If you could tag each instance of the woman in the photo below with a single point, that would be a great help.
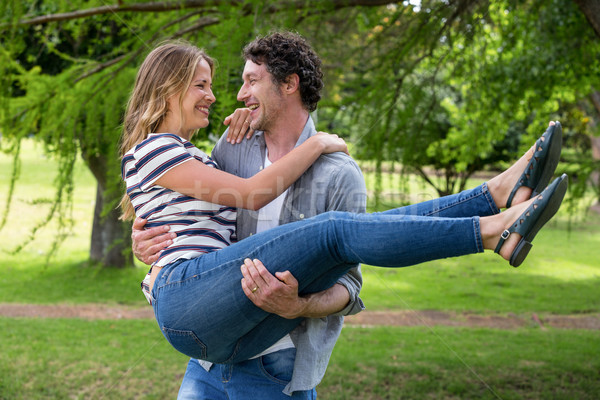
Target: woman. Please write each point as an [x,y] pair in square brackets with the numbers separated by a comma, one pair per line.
[195,290]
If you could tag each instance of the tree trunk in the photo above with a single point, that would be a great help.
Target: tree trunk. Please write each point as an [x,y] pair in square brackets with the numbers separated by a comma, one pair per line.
[595,143]
[591,10]
[111,238]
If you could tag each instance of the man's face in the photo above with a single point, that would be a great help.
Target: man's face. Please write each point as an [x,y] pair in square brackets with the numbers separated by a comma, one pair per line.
[261,95]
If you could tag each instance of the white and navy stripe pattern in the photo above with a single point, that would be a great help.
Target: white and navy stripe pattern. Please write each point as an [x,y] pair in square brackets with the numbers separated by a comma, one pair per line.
[201,226]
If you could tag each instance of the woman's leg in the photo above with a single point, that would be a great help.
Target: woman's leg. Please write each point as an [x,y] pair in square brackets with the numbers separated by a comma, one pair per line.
[203,311]
[406,239]
[468,203]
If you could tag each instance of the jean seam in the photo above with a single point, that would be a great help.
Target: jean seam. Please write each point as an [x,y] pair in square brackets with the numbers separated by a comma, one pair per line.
[477,234]
[488,196]
[233,353]
[269,376]
[484,192]
[437,210]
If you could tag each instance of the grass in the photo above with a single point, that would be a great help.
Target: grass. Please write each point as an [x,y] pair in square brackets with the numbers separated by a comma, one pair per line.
[129,359]
[560,276]
[79,359]
[461,363]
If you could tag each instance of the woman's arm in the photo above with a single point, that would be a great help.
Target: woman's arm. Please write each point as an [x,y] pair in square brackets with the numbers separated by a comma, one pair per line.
[195,179]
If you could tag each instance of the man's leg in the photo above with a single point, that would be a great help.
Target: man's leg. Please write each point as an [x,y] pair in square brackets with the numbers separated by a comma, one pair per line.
[264,378]
[199,384]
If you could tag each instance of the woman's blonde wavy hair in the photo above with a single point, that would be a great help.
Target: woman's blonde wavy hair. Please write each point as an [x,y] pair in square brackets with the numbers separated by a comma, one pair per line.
[167,71]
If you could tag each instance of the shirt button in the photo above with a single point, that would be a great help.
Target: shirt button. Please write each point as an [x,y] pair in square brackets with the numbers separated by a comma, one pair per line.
[261,167]
[301,216]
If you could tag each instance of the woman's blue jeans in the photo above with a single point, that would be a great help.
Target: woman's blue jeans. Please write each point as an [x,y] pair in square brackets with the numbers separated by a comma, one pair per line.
[203,312]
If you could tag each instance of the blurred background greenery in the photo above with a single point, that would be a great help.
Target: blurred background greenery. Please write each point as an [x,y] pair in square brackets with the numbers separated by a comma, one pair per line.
[437,89]
[433,96]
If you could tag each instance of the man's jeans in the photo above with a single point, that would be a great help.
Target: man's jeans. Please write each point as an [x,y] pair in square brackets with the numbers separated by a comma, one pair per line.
[260,378]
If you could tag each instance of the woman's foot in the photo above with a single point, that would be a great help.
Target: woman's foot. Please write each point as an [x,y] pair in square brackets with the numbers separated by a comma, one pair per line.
[501,185]
[528,177]
[492,228]
[510,233]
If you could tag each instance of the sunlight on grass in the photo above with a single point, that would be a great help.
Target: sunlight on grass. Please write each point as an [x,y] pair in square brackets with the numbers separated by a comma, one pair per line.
[34,192]
[561,275]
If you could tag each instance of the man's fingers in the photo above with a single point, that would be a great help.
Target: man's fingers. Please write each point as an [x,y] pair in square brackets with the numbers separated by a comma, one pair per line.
[251,274]
[139,223]
[264,272]
[287,278]
[152,259]
[159,246]
[165,239]
[245,287]
[259,272]
[156,235]
[247,280]
[257,276]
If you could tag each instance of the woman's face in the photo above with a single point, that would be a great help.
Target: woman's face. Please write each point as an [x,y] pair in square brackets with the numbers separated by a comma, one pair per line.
[194,110]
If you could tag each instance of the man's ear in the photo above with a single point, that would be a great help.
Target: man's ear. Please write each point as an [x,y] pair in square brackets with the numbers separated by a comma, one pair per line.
[291,84]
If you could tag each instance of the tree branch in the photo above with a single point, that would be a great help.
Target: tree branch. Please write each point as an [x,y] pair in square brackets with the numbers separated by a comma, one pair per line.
[118,8]
[201,23]
[186,4]
[591,10]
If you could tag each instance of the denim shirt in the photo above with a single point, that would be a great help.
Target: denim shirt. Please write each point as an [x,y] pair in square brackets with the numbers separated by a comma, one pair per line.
[333,183]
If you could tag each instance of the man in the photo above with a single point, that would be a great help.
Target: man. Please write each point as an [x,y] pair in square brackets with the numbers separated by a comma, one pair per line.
[282,83]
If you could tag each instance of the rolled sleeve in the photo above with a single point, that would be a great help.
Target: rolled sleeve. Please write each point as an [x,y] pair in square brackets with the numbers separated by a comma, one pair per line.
[348,193]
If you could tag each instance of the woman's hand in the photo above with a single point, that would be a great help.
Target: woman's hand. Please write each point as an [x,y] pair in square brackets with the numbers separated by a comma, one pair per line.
[239,124]
[330,143]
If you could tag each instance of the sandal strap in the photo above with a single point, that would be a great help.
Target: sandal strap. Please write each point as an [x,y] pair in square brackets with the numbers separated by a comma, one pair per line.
[503,237]
[517,226]
[532,173]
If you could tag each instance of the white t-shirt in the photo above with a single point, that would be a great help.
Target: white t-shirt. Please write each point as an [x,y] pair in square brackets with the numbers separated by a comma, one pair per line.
[268,217]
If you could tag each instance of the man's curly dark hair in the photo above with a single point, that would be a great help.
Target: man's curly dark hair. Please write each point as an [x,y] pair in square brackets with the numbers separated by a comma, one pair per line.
[287,53]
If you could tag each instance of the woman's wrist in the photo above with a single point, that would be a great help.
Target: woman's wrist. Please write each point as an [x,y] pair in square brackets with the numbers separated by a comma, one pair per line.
[317,143]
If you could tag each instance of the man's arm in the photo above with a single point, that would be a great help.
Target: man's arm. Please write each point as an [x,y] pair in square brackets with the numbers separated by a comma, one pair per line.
[280,292]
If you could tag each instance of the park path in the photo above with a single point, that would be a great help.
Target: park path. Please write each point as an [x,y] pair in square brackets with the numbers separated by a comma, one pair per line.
[365,318]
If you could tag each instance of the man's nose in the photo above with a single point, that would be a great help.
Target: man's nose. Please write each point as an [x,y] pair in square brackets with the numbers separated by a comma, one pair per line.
[243,93]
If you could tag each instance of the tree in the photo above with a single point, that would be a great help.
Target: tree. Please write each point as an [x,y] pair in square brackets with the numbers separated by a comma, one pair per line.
[459,84]
[452,85]
[66,70]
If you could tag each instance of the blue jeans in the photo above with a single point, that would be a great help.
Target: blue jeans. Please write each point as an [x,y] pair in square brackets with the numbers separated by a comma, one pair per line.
[203,312]
[260,378]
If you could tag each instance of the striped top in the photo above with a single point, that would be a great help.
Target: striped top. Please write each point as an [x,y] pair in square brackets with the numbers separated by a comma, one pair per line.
[201,226]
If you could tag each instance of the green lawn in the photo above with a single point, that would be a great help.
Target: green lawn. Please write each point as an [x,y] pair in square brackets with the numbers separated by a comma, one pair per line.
[561,276]
[77,359]
[129,359]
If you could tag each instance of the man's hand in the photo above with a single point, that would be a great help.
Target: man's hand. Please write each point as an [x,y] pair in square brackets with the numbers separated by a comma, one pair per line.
[148,243]
[275,294]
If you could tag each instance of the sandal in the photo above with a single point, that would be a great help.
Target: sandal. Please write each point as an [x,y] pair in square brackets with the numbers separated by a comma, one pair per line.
[541,167]
[532,220]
